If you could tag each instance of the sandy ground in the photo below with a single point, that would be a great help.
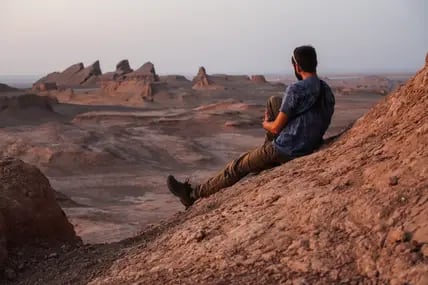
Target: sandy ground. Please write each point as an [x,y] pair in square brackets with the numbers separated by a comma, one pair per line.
[112,160]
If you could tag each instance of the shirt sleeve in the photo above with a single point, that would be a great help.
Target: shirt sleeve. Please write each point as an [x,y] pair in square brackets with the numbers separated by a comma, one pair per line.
[290,102]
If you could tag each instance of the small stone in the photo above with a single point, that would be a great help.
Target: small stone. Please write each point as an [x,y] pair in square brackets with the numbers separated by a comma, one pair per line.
[393,180]
[304,243]
[200,236]
[395,235]
[10,274]
[53,255]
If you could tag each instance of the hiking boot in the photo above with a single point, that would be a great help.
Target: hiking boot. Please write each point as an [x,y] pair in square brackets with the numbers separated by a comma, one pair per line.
[181,190]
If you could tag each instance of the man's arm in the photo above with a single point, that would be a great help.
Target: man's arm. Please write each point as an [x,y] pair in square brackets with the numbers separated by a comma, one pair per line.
[276,126]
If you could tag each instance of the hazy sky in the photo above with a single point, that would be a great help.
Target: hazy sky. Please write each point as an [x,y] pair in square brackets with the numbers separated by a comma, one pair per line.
[235,36]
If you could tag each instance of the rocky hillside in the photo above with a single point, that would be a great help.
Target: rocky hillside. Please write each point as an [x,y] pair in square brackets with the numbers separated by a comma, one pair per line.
[355,212]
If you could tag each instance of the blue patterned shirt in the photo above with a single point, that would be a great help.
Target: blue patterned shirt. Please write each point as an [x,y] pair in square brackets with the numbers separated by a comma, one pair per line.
[309,114]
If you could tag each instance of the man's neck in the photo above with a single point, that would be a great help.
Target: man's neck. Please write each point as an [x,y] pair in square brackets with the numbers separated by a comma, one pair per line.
[306,75]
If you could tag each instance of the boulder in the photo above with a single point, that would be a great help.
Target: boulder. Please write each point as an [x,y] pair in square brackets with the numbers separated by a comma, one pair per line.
[29,211]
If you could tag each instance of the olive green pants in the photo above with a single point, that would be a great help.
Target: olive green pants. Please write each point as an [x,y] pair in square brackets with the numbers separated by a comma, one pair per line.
[256,160]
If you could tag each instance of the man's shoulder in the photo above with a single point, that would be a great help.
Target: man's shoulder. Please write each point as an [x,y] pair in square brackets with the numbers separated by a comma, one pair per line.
[301,88]
[296,88]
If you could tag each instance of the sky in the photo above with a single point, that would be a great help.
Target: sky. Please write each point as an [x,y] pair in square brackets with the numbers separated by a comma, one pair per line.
[228,36]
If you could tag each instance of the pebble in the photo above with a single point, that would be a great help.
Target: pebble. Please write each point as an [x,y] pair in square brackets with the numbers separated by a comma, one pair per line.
[396,235]
[393,180]
[200,236]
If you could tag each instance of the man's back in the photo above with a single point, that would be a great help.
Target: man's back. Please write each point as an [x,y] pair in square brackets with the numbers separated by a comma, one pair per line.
[309,114]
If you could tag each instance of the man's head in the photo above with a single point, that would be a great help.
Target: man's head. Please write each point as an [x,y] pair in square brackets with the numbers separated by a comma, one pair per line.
[304,61]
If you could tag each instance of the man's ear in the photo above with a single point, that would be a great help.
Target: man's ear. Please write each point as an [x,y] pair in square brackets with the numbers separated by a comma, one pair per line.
[298,69]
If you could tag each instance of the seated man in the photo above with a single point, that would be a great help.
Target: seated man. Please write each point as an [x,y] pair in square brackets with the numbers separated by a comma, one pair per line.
[295,127]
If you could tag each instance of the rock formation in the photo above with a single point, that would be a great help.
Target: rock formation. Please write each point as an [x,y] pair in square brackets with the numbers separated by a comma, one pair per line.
[6,88]
[146,72]
[28,208]
[201,79]
[258,79]
[123,67]
[74,76]
[143,82]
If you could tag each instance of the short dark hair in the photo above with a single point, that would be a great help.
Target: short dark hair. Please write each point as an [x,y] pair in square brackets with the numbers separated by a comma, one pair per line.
[306,58]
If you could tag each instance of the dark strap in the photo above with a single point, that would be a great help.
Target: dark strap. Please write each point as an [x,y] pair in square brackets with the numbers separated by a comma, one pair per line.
[321,96]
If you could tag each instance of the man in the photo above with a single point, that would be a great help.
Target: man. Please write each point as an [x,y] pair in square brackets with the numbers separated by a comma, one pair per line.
[295,127]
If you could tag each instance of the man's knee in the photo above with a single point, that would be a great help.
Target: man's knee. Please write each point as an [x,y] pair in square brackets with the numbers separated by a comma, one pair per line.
[275,100]
[272,106]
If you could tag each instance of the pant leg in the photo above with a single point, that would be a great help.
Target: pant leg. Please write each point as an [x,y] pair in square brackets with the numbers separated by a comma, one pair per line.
[261,158]
[273,105]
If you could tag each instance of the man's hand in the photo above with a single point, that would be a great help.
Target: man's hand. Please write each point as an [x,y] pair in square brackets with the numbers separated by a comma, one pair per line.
[266,117]
[276,126]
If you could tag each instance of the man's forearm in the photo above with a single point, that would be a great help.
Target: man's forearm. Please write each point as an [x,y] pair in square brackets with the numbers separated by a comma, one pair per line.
[269,126]
[275,127]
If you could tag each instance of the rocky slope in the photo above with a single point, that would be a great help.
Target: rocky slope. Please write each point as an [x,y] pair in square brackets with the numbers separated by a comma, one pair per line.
[352,213]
